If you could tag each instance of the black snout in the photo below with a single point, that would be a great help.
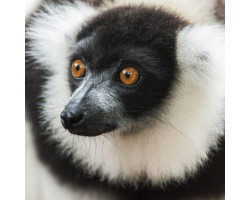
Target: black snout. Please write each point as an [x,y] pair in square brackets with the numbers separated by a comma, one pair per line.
[85,121]
[72,116]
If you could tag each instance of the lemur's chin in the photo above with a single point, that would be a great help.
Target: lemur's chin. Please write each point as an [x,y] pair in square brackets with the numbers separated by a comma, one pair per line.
[82,133]
[93,133]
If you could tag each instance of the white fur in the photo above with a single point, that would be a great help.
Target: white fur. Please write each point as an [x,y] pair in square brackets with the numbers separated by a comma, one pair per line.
[58,27]
[195,11]
[40,184]
[162,152]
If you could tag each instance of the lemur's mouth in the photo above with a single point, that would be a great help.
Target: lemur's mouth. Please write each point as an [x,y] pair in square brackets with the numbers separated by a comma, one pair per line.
[82,133]
[94,131]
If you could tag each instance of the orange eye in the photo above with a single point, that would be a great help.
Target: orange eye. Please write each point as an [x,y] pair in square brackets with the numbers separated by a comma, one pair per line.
[129,76]
[78,68]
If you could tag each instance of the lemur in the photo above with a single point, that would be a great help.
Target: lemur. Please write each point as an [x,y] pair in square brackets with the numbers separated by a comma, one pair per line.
[125,100]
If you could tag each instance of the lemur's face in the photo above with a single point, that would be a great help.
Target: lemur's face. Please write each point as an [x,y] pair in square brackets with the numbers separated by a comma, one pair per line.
[130,70]
[121,72]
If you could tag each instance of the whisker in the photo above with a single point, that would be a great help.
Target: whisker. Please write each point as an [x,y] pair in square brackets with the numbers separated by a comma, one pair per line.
[106,147]
[69,39]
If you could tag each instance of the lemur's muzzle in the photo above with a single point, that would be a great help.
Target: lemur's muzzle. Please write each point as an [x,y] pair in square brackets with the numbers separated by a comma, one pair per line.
[84,121]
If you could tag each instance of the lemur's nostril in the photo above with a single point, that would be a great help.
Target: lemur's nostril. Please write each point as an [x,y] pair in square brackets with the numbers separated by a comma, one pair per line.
[76,118]
[72,116]
[69,120]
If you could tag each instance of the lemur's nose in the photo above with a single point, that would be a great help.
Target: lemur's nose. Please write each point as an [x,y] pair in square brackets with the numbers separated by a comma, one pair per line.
[72,116]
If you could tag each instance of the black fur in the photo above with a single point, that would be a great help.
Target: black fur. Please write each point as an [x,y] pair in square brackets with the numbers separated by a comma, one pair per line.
[122,37]
[154,41]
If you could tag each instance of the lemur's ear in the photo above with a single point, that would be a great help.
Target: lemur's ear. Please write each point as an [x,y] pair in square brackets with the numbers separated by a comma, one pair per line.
[53,30]
[200,53]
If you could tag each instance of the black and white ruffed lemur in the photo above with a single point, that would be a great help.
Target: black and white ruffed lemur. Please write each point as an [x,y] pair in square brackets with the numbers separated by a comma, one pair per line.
[125,100]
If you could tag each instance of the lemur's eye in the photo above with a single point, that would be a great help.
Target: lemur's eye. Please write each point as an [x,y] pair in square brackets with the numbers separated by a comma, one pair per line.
[129,76]
[78,68]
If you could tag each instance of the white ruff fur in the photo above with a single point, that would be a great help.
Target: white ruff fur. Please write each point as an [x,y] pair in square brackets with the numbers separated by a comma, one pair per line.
[195,11]
[40,184]
[163,153]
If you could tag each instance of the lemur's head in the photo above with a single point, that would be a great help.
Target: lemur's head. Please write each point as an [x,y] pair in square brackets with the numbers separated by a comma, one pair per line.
[122,70]
[143,83]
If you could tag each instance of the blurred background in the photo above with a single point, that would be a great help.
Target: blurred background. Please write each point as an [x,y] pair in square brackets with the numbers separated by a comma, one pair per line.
[31,5]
